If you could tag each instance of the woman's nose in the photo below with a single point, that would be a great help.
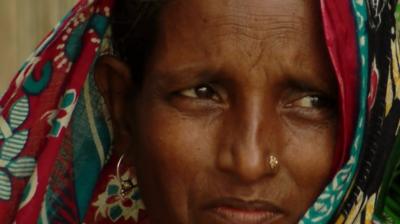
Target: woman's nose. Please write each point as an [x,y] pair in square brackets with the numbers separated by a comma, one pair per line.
[246,150]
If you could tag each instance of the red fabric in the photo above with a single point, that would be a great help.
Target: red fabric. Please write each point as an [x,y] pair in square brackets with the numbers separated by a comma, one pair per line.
[338,19]
[67,74]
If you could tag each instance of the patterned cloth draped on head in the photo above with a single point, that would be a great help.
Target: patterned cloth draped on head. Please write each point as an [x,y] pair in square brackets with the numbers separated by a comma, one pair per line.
[55,157]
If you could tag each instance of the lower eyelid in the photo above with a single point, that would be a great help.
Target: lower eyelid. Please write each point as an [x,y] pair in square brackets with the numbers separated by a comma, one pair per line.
[309,116]
[194,106]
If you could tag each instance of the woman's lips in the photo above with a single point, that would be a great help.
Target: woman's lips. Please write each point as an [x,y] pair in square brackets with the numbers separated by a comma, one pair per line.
[238,211]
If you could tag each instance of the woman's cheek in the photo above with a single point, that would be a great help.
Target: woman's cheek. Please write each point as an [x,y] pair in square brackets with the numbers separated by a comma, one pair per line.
[173,152]
[309,154]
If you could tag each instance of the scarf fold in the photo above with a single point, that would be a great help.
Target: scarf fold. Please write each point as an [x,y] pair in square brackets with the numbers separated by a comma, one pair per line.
[56,161]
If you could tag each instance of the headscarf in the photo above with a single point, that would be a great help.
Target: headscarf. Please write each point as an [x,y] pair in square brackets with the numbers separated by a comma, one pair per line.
[56,159]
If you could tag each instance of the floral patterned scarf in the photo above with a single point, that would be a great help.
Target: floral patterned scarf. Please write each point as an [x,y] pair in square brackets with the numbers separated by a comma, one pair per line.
[56,161]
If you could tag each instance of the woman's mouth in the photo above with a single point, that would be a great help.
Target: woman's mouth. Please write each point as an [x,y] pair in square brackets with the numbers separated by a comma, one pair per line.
[238,211]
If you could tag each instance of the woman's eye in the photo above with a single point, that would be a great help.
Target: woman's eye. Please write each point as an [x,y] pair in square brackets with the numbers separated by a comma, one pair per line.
[312,102]
[313,107]
[201,92]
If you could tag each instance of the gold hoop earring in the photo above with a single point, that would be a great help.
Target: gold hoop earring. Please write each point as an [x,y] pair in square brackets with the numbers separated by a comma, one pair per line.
[127,185]
[121,194]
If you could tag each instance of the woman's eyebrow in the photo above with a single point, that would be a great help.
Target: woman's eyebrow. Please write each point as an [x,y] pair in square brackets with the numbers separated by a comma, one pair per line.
[185,74]
[307,86]
[316,76]
[312,81]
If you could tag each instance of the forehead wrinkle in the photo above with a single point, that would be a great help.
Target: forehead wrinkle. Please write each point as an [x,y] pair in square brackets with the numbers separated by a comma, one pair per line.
[276,28]
[241,19]
[268,29]
[267,32]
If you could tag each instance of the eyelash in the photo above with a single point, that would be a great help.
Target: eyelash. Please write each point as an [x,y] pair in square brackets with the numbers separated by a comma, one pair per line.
[314,101]
[208,92]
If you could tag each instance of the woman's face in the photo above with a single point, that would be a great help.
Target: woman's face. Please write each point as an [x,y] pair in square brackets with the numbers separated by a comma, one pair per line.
[230,83]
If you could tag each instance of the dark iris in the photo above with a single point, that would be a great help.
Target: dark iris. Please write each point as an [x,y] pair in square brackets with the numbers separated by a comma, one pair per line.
[321,102]
[204,92]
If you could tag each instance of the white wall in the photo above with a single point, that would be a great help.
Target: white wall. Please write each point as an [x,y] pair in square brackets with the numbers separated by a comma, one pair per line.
[23,23]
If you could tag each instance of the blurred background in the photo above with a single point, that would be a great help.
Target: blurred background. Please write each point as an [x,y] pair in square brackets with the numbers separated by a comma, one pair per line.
[23,24]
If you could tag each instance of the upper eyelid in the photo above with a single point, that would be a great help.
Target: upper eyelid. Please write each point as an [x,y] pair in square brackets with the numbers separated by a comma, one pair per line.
[183,77]
[298,91]
[309,87]
[288,103]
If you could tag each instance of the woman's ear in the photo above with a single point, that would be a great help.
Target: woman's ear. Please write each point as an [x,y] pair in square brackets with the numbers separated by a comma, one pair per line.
[115,84]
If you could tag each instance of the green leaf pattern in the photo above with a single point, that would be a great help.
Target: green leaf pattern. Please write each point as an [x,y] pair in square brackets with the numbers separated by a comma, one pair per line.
[5,186]
[22,167]
[19,112]
[11,165]
[12,146]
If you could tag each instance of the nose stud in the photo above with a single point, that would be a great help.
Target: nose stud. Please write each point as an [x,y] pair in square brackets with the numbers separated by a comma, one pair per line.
[273,163]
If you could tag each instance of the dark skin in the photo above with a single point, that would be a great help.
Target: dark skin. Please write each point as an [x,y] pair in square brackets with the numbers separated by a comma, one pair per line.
[229,83]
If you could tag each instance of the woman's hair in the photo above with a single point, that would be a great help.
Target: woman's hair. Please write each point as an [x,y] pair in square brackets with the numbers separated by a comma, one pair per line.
[134,25]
